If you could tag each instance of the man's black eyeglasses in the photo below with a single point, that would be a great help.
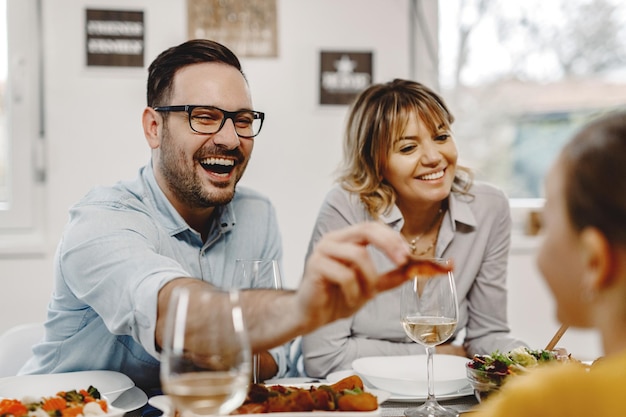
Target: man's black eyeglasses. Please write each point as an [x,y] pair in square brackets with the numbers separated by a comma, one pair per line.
[210,119]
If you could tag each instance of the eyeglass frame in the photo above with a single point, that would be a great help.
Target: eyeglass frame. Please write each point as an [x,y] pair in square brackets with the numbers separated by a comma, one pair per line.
[188,108]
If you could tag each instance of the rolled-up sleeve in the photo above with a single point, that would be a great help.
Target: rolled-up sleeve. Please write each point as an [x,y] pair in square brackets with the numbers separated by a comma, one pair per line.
[118,258]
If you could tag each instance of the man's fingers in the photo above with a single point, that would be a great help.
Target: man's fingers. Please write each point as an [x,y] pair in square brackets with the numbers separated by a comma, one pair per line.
[383,237]
[336,273]
[355,257]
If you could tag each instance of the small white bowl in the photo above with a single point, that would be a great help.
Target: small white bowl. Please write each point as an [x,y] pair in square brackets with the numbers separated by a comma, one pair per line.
[406,375]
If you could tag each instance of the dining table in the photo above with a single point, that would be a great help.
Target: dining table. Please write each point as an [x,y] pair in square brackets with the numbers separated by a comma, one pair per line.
[388,409]
[463,405]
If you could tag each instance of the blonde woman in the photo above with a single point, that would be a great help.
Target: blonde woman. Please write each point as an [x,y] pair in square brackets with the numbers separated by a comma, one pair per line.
[401,169]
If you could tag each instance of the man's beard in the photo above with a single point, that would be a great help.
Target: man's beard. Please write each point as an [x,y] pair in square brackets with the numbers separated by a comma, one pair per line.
[183,179]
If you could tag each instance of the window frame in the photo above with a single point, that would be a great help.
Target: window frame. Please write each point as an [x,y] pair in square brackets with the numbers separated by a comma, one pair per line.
[21,218]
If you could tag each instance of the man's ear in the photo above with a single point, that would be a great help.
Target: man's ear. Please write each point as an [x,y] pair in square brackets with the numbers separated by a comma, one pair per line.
[151,121]
[597,259]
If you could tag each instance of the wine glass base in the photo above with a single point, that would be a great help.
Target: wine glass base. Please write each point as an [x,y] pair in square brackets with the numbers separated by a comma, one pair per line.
[430,409]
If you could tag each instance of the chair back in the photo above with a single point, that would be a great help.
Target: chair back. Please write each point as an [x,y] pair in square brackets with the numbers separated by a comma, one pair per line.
[16,346]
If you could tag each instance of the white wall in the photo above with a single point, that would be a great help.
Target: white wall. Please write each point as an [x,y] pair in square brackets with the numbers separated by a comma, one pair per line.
[532,309]
[94,135]
[300,145]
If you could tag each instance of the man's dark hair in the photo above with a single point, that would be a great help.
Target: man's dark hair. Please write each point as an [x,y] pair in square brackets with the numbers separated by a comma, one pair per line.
[162,70]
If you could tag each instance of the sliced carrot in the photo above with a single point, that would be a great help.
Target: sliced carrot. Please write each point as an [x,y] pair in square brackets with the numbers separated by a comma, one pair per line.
[13,407]
[54,403]
[103,404]
[72,411]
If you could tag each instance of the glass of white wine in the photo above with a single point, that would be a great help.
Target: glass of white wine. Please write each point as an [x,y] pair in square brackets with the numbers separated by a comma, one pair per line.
[429,314]
[257,273]
[205,359]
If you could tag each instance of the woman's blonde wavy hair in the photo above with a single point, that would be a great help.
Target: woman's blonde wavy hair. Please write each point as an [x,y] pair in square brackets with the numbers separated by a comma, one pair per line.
[377,118]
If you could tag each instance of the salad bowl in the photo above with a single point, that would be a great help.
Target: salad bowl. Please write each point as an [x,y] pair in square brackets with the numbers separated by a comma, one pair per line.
[487,373]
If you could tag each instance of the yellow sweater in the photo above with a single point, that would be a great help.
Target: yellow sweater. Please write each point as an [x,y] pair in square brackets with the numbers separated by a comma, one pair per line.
[563,390]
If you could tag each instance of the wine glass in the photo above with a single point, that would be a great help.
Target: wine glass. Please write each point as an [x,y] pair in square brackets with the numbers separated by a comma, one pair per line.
[429,311]
[205,359]
[257,273]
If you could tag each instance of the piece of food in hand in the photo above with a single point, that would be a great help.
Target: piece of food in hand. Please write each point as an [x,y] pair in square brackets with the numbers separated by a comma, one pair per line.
[425,267]
[344,395]
[64,404]
[414,267]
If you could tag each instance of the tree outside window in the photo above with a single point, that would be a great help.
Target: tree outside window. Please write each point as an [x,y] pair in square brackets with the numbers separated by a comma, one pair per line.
[521,77]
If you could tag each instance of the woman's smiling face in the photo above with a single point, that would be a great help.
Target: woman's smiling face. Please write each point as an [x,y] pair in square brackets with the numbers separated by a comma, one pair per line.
[421,164]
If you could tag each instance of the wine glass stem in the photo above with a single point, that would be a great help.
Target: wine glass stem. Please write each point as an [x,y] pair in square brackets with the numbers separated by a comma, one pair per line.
[256,365]
[430,351]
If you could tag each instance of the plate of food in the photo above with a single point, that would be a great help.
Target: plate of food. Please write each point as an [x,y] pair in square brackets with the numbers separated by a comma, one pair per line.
[110,384]
[87,402]
[346,398]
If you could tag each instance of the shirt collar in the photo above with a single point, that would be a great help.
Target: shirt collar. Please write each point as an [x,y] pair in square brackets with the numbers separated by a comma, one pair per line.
[458,207]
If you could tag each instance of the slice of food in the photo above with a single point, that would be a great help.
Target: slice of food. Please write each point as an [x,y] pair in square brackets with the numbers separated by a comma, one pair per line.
[424,267]
[344,395]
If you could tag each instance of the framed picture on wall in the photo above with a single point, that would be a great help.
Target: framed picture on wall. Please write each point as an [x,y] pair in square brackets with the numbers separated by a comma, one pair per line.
[114,38]
[248,27]
[343,75]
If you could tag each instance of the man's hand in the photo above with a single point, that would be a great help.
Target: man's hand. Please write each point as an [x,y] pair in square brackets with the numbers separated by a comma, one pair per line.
[340,276]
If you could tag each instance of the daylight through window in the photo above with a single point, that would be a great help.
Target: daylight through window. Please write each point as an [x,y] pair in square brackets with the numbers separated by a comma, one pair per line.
[521,77]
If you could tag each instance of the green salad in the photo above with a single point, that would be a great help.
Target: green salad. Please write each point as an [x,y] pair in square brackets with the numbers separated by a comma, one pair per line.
[497,366]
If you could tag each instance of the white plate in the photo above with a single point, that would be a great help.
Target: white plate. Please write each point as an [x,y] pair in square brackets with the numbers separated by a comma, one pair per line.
[463,392]
[162,402]
[114,412]
[131,400]
[109,383]
[406,375]
[292,381]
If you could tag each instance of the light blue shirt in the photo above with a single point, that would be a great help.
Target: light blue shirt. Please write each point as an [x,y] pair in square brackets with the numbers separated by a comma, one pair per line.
[121,245]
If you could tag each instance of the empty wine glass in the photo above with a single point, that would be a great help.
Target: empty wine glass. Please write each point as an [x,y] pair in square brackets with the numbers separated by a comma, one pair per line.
[429,311]
[257,273]
[205,361]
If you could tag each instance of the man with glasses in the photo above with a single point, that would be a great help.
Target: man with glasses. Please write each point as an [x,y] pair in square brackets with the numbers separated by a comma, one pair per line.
[181,223]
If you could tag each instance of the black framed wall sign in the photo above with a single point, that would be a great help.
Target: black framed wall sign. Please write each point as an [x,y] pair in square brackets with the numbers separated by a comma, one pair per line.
[114,38]
[343,75]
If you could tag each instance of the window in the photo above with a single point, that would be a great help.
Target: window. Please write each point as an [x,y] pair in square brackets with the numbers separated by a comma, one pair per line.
[21,125]
[521,77]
